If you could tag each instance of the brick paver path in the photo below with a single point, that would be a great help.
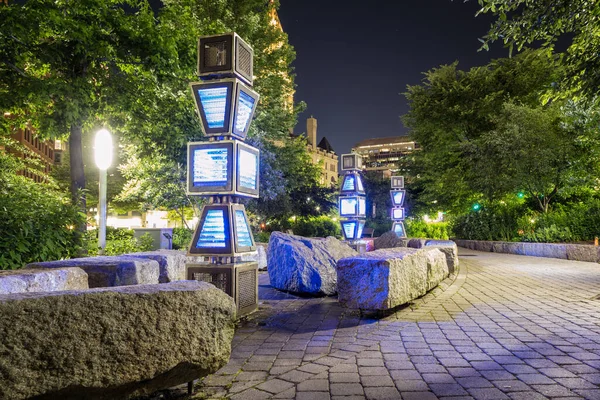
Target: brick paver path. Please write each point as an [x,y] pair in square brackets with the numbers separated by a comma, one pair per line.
[505,327]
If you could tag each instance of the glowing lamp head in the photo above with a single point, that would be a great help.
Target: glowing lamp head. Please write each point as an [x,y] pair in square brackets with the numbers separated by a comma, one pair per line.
[103,149]
[476,207]
[520,195]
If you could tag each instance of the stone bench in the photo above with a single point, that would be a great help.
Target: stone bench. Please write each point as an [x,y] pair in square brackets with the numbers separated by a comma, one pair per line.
[109,271]
[387,278]
[112,343]
[42,280]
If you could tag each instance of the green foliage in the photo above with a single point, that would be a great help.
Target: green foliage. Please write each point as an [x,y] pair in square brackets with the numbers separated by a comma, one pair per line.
[322,226]
[262,237]
[549,234]
[182,237]
[522,22]
[417,228]
[118,241]
[36,220]
[496,221]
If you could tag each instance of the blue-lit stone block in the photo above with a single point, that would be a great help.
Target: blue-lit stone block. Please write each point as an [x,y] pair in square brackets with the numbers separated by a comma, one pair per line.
[352,229]
[223,230]
[225,107]
[398,197]
[227,167]
[352,206]
[352,184]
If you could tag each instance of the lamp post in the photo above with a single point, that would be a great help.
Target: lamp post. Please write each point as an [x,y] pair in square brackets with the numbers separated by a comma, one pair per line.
[103,154]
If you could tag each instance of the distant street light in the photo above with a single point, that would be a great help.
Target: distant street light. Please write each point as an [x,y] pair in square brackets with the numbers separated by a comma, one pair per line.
[103,154]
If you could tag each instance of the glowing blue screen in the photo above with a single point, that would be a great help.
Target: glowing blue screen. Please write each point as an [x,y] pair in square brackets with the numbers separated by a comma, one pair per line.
[399,229]
[242,229]
[398,213]
[362,206]
[210,166]
[360,185]
[348,183]
[247,169]
[361,225]
[349,229]
[398,197]
[348,206]
[214,103]
[243,111]
[213,231]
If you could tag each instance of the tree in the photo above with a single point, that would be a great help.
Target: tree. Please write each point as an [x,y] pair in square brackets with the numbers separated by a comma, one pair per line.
[523,22]
[449,114]
[71,66]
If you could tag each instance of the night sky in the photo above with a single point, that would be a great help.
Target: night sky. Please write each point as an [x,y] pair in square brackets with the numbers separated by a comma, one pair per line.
[355,58]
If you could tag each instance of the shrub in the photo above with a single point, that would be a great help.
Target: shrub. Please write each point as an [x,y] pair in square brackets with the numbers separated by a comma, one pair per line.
[551,234]
[316,227]
[118,241]
[36,221]
[432,230]
[182,237]
[495,222]
[262,237]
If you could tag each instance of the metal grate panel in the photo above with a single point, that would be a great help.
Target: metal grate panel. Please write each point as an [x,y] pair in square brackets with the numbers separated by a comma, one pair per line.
[219,279]
[247,288]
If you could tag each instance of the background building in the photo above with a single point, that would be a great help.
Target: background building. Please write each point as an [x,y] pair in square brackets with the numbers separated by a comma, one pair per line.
[49,152]
[322,153]
[383,154]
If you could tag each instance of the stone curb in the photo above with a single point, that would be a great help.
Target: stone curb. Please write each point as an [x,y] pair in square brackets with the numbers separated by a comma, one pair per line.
[574,252]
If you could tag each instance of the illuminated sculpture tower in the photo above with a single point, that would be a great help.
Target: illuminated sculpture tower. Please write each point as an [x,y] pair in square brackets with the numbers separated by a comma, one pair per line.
[352,201]
[224,168]
[398,194]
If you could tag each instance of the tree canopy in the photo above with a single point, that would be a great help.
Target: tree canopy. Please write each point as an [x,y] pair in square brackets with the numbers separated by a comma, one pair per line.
[522,22]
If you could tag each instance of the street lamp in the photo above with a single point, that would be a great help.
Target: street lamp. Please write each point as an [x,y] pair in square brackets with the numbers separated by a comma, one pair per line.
[103,154]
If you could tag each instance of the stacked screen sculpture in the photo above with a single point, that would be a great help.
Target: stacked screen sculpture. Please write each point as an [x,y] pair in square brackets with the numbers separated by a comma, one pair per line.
[352,200]
[224,168]
[397,213]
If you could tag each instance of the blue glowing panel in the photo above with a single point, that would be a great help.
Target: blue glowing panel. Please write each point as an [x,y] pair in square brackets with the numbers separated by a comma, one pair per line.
[399,229]
[210,167]
[242,229]
[248,169]
[349,228]
[360,185]
[362,206]
[214,104]
[213,231]
[361,226]
[397,213]
[397,197]
[348,185]
[243,111]
[348,206]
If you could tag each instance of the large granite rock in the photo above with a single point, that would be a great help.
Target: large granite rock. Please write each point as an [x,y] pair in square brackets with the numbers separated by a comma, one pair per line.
[42,280]
[388,240]
[450,250]
[112,343]
[305,265]
[170,262]
[109,271]
[416,243]
[384,279]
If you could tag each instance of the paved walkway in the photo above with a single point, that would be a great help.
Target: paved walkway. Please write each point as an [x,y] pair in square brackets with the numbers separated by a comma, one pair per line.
[506,327]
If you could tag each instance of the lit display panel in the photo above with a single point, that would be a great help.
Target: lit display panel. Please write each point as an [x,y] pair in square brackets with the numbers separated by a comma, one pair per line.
[248,168]
[213,233]
[214,105]
[361,226]
[397,197]
[242,229]
[244,111]
[349,229]
[397,213]
[210,166]
[399,229]
[362,206]
[348,206]
[349,183]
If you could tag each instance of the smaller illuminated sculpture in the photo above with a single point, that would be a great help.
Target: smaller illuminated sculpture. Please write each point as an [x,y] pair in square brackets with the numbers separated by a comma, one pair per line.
[397,213]
[352,200]
[225,168]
